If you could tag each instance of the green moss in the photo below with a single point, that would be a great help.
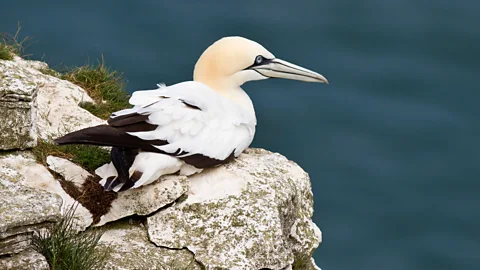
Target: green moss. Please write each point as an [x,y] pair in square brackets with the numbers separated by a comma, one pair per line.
[6,52]
[101,110]
[303,263]
[87,156]
[182,198]
[51,72]
[106,87]
[63,248]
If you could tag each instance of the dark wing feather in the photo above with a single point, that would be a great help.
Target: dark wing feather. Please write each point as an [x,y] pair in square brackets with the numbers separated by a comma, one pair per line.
[105,135]
[115,134]
[201,162]
[128,119]
[122,159]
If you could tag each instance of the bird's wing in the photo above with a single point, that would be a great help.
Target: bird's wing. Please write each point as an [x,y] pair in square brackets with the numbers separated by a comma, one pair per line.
[187,120]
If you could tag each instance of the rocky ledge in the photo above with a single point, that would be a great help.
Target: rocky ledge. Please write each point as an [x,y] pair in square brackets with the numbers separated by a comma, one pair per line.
[253,213]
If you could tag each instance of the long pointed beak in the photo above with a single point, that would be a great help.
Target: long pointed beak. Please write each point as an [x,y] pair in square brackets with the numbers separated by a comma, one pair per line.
[277,68]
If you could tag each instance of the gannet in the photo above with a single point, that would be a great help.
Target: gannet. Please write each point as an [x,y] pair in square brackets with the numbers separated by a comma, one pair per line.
[187,127]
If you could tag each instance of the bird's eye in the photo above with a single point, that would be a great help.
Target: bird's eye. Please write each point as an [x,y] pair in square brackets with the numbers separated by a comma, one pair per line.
[258,59]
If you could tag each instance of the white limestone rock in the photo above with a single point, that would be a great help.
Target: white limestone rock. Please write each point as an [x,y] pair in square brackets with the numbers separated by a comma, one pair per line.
[18,110]
[252,213]
[58,112]
[68,170]
[146,199]
[33,104]
[49,105]
[25,260]
[23,210]
[129,248]
[22,169]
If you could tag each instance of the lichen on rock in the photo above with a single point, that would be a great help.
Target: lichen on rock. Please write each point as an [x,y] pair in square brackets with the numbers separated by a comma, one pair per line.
[18,107]
[263,219]
[131,249]
[23,210]
[27,259]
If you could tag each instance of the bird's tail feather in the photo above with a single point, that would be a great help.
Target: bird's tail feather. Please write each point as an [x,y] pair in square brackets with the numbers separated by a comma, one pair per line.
[99,135]
[106,135]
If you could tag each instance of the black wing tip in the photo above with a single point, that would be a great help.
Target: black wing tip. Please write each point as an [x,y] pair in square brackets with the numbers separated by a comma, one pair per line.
[111,119]
[62,140]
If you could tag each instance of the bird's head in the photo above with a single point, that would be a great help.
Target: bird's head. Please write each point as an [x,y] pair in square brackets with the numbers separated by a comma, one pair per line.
[232,61]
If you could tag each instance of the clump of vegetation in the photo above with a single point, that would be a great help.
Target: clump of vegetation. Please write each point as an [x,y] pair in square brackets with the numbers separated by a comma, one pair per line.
[64,248]
[103,85]
[51,72]
[11,45]
[88,156]
[6,52]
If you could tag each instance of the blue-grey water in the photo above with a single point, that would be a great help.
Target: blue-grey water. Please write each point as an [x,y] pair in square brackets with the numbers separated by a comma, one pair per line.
[391,145]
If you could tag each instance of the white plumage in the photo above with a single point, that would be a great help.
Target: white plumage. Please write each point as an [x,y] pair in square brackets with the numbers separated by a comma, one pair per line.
[216,129]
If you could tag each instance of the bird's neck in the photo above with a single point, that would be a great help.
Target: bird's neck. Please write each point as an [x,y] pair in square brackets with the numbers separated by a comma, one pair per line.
[239,97]
[230,89]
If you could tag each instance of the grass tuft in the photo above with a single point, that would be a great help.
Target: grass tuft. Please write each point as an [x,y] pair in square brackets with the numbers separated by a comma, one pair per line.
[106,88]
[11,45]
[88,156]
[51,72]
[64,248]
[6,52]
